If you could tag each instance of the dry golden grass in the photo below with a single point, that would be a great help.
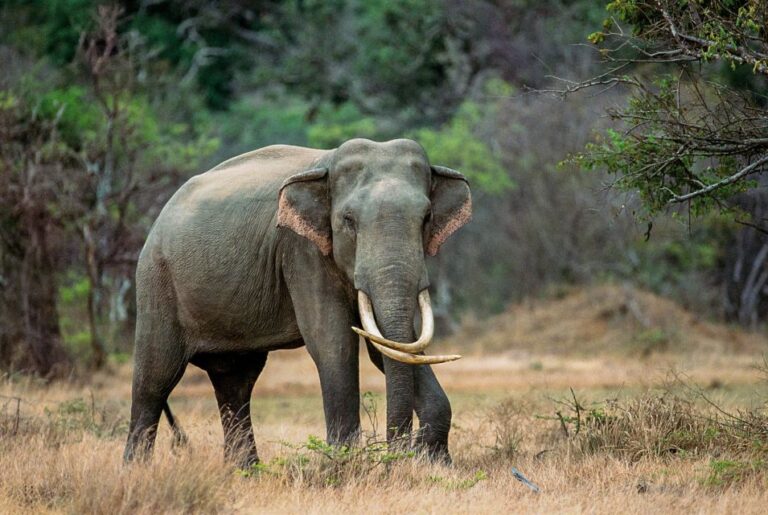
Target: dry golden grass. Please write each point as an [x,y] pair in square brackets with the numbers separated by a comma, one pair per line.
[638,442]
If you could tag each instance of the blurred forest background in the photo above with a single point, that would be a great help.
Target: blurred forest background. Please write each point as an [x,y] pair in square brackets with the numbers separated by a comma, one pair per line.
[106,108]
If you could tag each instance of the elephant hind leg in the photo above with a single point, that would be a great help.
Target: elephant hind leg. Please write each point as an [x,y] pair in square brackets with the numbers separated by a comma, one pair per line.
[154,378]
[179,436]
[233,378]
[160,357]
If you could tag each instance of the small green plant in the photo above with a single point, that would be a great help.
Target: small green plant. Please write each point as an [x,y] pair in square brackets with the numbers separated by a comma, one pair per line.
[255,470]
[505,422]
[574,416]
[375,452]
[724,472]
[652,340]
[322,464]
[76,416]
[460,484]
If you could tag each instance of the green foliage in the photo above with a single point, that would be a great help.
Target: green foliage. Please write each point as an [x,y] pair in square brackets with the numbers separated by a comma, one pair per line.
[684,139]
[318,462]
[663,264]
[82,124]
[726,472]
[76,290]
[460,484]
[73,418]
[78,120]
[626,10]
[456,145]
[73,295]
[680,263]
[401,49]
[160,32]
[53,28]
[100,133]
[8,100]
[375,453]
[335,125]
[381,56]
[686,254]
[649,161]
[256,122]
[50,27]
[652,340]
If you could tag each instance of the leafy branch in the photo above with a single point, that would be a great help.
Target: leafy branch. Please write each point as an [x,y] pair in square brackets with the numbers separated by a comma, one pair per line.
[684,137]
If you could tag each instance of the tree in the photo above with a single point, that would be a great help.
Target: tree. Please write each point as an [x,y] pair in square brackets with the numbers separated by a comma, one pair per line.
[693,133]
[30,162]
[688,136]
[86,161]
[122,156]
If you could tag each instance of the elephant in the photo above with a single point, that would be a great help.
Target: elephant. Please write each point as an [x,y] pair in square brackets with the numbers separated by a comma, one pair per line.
[284,247]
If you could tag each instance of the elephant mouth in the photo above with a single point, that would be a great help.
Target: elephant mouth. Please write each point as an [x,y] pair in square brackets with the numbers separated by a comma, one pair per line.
[404,352]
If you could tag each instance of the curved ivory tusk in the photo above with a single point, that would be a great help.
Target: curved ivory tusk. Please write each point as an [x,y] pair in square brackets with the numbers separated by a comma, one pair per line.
[371,330]
[413,359]
[404,352]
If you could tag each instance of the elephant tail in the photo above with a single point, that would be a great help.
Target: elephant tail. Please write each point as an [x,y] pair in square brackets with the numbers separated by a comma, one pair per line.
[179,437]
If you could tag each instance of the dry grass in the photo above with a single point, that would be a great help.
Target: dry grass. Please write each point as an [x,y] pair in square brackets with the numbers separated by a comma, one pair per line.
[630,439]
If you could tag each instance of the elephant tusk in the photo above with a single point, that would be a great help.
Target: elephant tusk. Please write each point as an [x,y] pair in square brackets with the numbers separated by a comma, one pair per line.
[404,352]
[371,330]
[413,359]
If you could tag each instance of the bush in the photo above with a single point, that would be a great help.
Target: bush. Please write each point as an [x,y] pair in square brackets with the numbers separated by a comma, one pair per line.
[662,425]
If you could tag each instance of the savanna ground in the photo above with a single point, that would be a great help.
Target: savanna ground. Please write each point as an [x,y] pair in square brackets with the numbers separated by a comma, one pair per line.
[609,399]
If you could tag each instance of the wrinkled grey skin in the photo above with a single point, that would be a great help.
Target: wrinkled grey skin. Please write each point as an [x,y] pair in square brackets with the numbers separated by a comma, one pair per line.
[220,285]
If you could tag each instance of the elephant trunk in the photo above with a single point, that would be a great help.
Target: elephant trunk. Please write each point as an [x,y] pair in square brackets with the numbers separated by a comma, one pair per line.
[389,275]
[394,306]
[390,269]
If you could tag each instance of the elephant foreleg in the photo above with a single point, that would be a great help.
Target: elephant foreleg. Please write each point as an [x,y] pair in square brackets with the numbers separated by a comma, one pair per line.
[337,364]
[431,406]
[434,412]
[325,316]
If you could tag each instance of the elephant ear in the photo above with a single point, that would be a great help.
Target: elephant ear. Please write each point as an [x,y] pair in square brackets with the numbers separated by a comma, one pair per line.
[451,206]
[303,206]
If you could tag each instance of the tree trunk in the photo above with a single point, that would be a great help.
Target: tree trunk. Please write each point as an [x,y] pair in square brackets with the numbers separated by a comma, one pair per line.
[98,352]
[43,351]
[11,334]
[745,274]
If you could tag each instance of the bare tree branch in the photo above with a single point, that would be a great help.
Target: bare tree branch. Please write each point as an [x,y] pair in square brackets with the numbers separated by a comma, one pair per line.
[752,168]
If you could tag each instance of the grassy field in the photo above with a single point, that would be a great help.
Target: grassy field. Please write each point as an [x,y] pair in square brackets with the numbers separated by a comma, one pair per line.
[608,399]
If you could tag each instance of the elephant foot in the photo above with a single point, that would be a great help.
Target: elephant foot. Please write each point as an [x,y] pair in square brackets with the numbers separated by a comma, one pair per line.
[180,439]
[437,453]
[246,462]
[441,458]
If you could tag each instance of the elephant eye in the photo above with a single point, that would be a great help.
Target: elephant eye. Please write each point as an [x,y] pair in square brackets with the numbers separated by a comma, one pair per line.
[428,217]
[349,222]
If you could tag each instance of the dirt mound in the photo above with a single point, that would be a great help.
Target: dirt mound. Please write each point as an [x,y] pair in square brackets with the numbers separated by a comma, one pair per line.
[608,318]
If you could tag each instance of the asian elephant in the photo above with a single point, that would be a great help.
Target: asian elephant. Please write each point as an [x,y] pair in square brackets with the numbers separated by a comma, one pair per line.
[288,246]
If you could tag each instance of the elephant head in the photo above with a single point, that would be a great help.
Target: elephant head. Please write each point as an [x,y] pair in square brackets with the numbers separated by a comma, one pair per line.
[377,209]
